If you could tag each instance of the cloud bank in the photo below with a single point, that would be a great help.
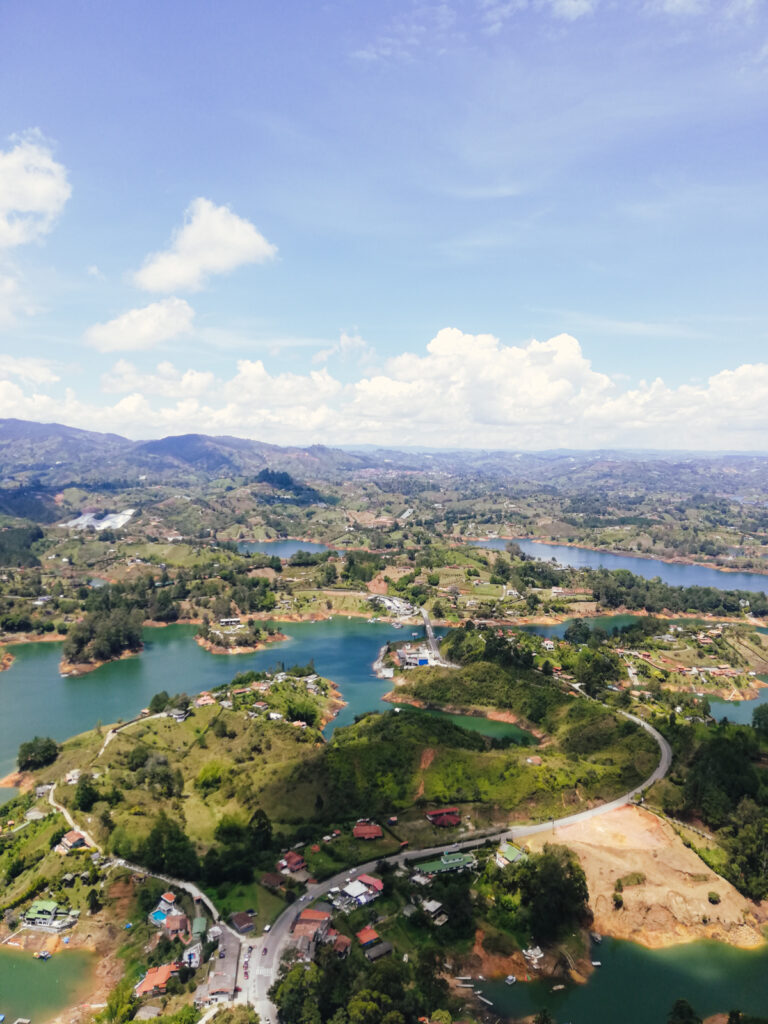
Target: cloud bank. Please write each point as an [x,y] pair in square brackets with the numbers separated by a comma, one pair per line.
[142,328]
[463,390]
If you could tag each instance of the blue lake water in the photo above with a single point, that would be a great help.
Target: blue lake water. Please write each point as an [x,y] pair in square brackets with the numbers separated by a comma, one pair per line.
[674,574]
[281,548]
[36,700]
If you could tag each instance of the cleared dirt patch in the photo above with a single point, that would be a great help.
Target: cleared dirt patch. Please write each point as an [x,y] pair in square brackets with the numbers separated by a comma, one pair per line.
[671,904]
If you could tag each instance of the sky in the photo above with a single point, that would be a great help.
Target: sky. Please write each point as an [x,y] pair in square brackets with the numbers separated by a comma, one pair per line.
[518,224]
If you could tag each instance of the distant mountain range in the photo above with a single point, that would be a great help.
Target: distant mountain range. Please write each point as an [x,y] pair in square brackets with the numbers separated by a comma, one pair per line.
[36,456]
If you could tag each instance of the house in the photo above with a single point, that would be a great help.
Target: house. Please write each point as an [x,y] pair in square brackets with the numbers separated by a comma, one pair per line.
[271,880]
[68,880]
[292,861]
[179,714]
[378,951]
[42,913]
[72,840]
[275,716]
[359,892]
[374,884]
[445,817]
[367,830]
[156,979]
[432,907]
[342,945]
[176,925]
[167,903]
[548,645]
[367,937]
[448,862]
[508,853]
[205,700]
[193,955]
[222,977]
[242,922]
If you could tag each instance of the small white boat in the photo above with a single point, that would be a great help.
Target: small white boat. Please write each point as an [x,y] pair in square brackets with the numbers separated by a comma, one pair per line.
[484,1000]
[510,979]
[558,988]
[597,963]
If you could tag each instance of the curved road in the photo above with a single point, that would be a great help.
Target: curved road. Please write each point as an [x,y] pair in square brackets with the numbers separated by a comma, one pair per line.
[264,961]
[264,965]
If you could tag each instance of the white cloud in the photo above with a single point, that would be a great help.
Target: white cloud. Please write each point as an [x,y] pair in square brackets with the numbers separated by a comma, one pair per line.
[27,368]
[13,299]
[463,390]
[349,347]
[570,10]
[213,240]
[679,6]
[142,328]
[33,190]
[168,381]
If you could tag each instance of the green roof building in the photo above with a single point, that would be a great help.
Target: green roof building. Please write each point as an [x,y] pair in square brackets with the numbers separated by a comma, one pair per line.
[448,862]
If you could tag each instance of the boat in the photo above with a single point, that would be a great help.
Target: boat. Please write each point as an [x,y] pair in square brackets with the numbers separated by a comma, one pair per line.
[597,963]
[596,938]
[397,625]
[558,988]
[510,979]
[42,954]
[484,1000]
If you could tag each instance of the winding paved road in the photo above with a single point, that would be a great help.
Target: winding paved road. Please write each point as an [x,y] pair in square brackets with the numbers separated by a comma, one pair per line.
[264,960]
[264,966]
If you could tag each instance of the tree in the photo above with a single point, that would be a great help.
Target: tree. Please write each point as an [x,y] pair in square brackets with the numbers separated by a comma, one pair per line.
[86,794]
[37,753]
[553,891]
[683,1013]
[94,906]
[760,720]
[543,1017]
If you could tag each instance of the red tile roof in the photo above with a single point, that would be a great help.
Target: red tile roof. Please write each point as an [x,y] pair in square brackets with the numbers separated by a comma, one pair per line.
[156,978]
[367,935]
[361,831]
[374,883]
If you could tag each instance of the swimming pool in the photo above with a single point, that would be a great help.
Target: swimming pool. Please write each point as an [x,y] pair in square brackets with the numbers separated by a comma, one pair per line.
[158,916]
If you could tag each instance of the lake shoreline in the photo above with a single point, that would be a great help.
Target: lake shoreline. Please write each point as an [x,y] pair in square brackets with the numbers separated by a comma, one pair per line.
[468,711]
[262,645]
[624,554]
[74,669]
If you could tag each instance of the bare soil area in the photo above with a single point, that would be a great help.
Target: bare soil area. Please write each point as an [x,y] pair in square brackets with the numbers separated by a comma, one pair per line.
[671,904]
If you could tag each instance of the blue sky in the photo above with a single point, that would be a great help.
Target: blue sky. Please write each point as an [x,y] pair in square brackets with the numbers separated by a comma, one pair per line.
[514,223]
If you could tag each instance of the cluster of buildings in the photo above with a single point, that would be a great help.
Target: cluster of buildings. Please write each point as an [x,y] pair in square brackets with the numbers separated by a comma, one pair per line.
[413,656]
[169,919]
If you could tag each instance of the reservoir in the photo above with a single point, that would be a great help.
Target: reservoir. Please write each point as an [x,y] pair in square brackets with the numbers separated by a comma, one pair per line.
[36,700]
[281,548]
[40,989]
[639,986]
[673,573]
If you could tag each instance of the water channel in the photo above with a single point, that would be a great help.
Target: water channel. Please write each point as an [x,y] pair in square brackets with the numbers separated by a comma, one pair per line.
[673,573]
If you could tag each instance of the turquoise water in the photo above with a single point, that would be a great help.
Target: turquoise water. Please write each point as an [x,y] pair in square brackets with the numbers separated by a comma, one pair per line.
[485,726]
[281,548]
[649,568]
[639,986]
[39,989]
[35,700]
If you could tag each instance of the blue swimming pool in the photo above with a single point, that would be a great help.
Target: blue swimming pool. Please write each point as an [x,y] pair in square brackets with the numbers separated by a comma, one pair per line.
[158,916]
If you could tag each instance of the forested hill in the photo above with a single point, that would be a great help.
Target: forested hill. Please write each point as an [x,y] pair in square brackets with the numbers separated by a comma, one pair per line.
[51,454]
